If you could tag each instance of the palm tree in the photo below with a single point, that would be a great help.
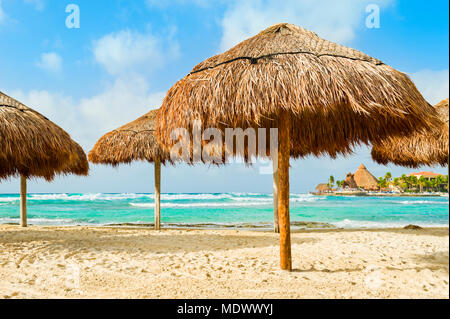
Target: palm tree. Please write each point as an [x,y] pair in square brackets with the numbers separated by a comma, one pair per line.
[413,181]
[331,181]
[428,185]
[438,182]
[396,181]
[388,177]
[382,182]
[446,182]
[422,183]
[404,184]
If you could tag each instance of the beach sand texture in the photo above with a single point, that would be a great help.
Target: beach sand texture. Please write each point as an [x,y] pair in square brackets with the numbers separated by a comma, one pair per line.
[87,262]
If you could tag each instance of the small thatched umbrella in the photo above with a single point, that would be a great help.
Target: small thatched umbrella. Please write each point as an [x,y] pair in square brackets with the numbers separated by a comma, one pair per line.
[426,147]
[132,142]
[323,98]
[33,146]
[323,188]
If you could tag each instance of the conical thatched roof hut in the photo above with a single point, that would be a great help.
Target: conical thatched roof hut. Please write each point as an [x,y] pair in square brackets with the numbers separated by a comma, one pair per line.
[364,179]
[349,182]
[427,147]
[33,146]
[132,142]
[323,98]
[323,188]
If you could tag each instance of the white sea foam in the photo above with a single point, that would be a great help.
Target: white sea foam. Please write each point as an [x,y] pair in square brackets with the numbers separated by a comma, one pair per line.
[417,202]
[229,204]
[238,197]
[242,201]
[8,199]
[87,197]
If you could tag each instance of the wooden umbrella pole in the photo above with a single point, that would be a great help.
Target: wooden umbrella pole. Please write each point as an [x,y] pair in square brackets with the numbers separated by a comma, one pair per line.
[275,195]
[284,129]
[23,201]
[157,194]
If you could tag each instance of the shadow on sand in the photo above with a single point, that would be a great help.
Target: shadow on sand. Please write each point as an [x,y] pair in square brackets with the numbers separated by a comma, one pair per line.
[121,239]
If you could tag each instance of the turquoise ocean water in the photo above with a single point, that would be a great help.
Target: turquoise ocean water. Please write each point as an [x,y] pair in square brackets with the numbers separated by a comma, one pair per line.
[225,210]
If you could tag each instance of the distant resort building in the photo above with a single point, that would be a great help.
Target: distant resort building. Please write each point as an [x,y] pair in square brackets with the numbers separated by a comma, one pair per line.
[365,180]
[362,180]
[427,175]
[349,182]
[363,183]
[323,188]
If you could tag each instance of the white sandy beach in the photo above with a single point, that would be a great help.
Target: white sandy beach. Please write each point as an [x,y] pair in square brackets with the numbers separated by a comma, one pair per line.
[82,262]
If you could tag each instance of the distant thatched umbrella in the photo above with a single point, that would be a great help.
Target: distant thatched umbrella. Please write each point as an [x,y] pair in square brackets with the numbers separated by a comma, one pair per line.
[323,98]
[364,179]
[33,146]
[323,188]
[426,147]
[132,142]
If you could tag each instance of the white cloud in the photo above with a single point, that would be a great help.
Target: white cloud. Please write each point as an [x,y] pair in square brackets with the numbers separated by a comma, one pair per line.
[38,4]
[125,100]
[3,15]
[127,51]
[86,120]
[50,62]
[333,20]
[434,85]
[166,3]
[126,55]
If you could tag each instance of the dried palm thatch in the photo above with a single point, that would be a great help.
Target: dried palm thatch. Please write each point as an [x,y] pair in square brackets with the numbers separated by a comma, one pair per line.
[33,146]
[336,96]
[349,182]
[426,147]
[364,179]
[323,188]
[131,142]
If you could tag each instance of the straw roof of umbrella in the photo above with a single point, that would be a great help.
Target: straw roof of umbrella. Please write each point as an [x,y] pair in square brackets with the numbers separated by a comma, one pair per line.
[33,146]
[365,179]
[337,96]
[427,147]
[131,142]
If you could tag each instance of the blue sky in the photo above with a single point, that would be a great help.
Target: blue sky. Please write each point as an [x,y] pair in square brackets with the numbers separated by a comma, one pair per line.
[127,54]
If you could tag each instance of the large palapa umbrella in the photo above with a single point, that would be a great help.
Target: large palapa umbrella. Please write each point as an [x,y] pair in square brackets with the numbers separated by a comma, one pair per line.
[425,147]
[323,98]
[132,142]
[33,146]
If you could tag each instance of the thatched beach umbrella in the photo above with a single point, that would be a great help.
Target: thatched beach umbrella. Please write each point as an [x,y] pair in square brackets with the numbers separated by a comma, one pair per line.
[323,188]
[323,98]
[33,146]
[132,142]
[425,147]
